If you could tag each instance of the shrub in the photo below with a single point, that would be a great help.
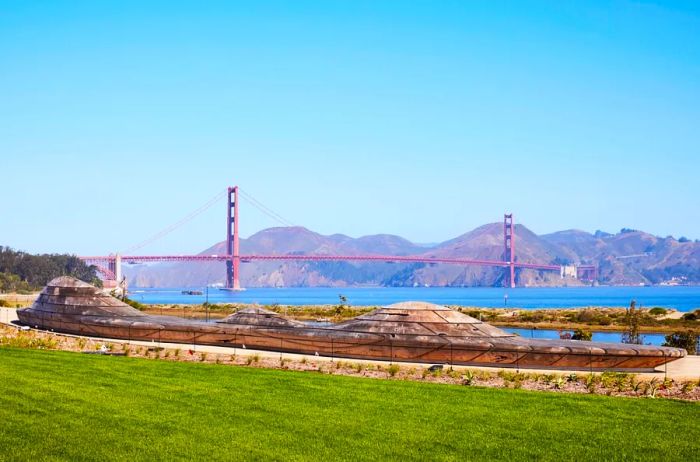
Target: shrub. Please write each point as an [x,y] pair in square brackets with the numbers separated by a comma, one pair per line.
[532,317]
[134,304]
[590,383]
[652,387]
[30,340]
[468,377]
[683,339]
[635,384]
[692,316]
[688,386]
[393,369]
[587,315]
[658,311]
[621,382]
[582,334]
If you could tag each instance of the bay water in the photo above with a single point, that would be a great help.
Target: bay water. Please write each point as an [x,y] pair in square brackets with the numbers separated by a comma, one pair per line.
[682,298]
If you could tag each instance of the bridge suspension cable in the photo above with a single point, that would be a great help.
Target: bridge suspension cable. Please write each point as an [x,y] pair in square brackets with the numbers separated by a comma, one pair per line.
[177,224]
[264,209]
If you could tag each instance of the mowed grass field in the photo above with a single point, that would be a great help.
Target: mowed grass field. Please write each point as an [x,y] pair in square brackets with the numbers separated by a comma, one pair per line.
[58,405]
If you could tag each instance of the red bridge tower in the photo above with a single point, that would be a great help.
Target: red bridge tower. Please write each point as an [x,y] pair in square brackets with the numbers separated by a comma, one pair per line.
[232,250]
[509,250]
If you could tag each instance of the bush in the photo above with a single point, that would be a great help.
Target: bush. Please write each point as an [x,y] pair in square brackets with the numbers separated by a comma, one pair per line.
[134,304]
[4,304]
[683,339]
[658,311]
[692,316]
[532,317]
[582,334]
[587,316]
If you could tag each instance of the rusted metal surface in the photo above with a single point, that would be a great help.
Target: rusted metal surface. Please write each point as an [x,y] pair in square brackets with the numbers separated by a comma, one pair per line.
[409,331]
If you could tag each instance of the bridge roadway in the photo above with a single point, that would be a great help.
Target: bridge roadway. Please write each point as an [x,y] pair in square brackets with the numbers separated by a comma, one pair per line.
[298,257]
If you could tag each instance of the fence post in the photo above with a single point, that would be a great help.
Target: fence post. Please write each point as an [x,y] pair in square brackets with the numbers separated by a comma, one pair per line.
[391,350]
[663,352]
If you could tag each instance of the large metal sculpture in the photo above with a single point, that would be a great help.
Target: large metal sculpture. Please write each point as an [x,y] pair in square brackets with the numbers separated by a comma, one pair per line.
[410,331]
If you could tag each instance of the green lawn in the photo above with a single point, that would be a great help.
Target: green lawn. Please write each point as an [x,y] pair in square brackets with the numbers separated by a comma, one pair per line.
[58,405]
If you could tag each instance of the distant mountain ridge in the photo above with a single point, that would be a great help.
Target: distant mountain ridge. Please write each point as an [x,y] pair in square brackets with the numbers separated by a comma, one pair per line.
[627,258]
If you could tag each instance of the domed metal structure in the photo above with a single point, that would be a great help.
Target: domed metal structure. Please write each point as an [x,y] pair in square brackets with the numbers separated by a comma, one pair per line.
[408,331]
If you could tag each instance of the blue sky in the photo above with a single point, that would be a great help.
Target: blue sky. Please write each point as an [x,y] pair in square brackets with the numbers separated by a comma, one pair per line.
[424,119]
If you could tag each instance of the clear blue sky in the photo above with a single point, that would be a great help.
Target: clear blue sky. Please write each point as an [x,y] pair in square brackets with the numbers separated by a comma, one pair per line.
[424,119]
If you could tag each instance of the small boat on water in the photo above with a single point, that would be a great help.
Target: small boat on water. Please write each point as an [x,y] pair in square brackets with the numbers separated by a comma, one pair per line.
[409,331]
[191,292]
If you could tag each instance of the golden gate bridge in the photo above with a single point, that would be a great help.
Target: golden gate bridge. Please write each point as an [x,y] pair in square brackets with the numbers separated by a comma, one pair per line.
[110,266]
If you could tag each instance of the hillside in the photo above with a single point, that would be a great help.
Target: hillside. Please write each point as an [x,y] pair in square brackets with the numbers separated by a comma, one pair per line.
[628,257]
[633,257]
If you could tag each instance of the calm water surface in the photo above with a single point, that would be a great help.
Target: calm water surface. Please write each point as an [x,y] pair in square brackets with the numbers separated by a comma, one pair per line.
[680,298]
[614,337]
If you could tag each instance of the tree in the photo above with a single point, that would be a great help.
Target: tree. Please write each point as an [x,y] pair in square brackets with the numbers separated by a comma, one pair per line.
[342,306]
[631,334]
[25,272]
[683,339]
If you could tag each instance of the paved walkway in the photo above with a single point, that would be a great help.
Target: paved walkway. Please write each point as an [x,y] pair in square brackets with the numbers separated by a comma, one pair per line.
[687,368]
